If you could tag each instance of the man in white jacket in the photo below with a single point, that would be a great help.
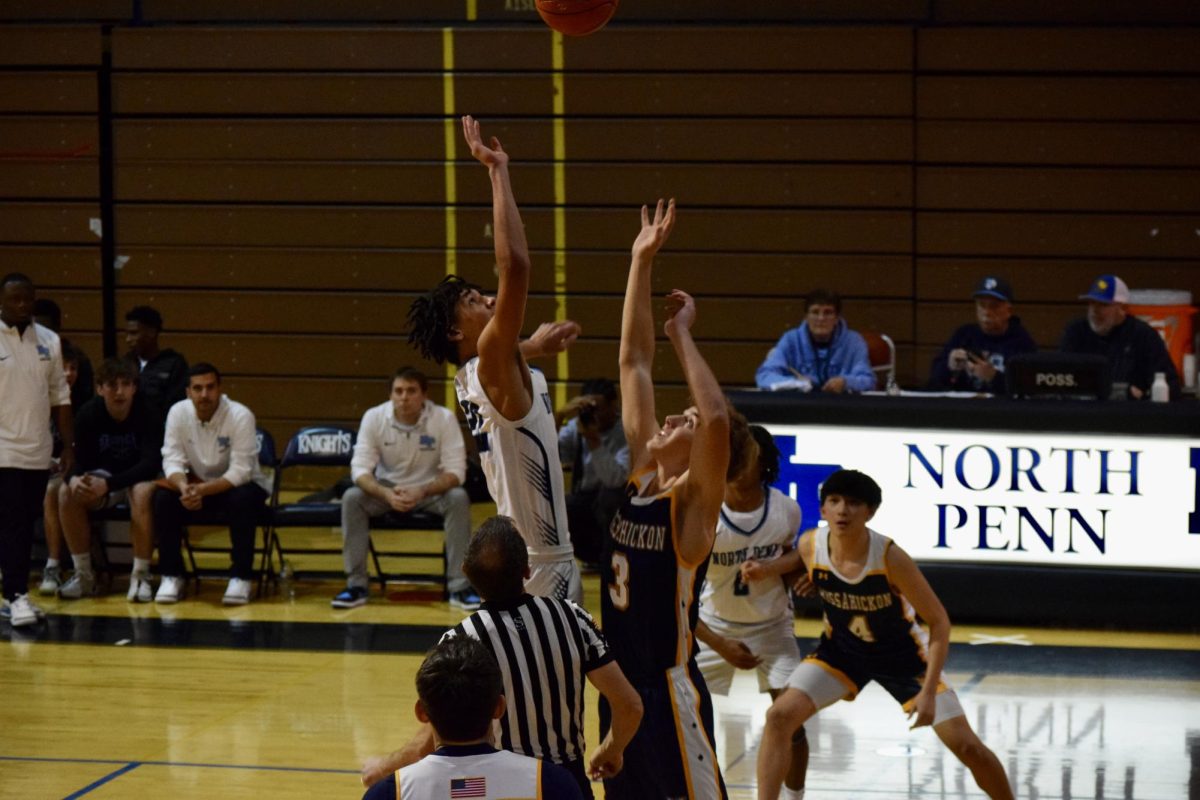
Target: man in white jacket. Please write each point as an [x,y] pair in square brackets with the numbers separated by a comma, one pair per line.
[409,456]
[210,458]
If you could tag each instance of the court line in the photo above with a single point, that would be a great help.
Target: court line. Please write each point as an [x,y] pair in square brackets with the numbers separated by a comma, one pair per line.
[132,764]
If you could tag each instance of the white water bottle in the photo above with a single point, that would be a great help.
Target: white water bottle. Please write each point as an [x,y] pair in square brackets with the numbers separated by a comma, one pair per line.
[1159,391]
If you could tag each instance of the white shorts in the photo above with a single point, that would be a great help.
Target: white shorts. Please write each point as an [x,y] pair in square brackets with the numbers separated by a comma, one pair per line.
[774,642]
[555,579]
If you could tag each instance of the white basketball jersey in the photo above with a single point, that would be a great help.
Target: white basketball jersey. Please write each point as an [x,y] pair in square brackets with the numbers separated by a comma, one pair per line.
[489,776]
[520,461]
[759,535]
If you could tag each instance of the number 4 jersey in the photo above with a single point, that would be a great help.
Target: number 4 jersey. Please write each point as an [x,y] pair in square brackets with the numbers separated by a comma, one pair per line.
[866,618]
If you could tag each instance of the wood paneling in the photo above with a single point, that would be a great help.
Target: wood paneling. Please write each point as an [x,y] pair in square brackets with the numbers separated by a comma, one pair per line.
[1066,143]
[622,139]
[74,179]
[1096,50]
[768,230]
[1046,280]
[49,223]
[1016,189]
[1066,235]
[728,49]
[39,92]
[1045,322]
[57,45]
[424,183]
[62,266]
[1058,98]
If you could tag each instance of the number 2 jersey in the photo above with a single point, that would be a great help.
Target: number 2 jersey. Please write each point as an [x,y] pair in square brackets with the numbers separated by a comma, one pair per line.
[650,596]
[520,462]
[759,535]
[867,619]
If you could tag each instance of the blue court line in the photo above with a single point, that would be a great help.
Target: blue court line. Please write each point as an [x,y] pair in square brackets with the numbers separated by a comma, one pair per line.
[97,784]
[131,765]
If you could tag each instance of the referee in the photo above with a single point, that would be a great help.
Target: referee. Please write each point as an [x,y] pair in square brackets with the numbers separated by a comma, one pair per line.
[545,648]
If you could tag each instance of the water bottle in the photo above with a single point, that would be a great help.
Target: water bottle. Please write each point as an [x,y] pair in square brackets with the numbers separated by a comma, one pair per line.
[1159,391]
[893,388]
[287,581]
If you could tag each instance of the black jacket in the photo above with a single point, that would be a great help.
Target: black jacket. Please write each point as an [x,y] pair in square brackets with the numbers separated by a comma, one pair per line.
[997,349]
[1134,351]
[163,381]
[131,450]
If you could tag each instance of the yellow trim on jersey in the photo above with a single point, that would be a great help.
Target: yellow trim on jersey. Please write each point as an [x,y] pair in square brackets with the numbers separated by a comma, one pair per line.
[837,673]
[911,704]
[683,646]
[712,756]
[539,779]
[398,785]
[679,736]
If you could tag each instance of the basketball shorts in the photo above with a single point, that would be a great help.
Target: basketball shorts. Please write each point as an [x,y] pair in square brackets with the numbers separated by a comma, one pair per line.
[827,675]
[672,754]
[555,579]
[774,642]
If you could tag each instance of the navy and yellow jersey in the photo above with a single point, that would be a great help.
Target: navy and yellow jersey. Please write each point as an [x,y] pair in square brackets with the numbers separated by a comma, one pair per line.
[651,598]
[867,620]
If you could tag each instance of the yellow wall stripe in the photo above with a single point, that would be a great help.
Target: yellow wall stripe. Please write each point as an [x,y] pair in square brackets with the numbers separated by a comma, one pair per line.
[560,208]
[472,10]
[452,128]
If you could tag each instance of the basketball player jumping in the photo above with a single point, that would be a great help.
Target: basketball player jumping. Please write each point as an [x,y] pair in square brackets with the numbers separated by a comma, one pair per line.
[657,549]
[506,404]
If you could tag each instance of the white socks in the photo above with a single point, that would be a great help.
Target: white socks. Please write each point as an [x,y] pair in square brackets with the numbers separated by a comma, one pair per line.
[790,794]
[141,568]
[83,562]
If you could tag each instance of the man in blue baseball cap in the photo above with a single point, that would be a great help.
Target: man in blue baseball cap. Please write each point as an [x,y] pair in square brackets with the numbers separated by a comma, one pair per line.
[1134,350]
[973,359]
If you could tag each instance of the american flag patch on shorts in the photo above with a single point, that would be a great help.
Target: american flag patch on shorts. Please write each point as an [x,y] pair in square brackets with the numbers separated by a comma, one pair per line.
[468,787]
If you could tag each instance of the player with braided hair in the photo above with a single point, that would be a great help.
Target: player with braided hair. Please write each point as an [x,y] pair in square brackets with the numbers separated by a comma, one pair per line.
[507,404]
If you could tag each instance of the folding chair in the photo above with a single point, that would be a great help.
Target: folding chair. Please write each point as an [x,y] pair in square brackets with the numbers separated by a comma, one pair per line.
[333,446]
[881,352]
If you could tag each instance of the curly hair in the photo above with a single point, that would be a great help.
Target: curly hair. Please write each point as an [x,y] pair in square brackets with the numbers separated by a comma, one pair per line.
[742,447]
[768,454]
[432,315]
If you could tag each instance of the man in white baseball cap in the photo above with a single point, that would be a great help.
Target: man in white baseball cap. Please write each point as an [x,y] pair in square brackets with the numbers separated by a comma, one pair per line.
[1134,350]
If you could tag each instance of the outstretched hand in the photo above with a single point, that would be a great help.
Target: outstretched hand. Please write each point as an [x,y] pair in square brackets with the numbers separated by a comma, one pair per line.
[551,338]
[681,312]
[491,156]
[654,233]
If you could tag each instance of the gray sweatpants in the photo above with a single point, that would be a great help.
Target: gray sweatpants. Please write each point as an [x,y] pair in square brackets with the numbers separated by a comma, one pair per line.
[357,509]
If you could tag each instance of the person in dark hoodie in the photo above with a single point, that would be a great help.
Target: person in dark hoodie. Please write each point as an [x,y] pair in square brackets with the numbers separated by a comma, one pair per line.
[163,373]
[823,354]
[974,357]
[117,439]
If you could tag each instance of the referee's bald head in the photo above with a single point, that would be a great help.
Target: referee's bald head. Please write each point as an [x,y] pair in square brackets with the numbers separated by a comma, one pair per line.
[497,561]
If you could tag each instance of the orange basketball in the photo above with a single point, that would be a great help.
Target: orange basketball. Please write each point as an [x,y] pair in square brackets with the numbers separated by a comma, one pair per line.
[577,17]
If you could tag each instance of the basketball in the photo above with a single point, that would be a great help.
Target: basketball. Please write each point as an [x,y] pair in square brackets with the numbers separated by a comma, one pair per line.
[576,17]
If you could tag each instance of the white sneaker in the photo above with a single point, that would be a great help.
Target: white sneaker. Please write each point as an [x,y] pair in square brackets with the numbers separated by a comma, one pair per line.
[81,584]
[237,593]
[140,590]
[169,590]
[22,611]
[51,580]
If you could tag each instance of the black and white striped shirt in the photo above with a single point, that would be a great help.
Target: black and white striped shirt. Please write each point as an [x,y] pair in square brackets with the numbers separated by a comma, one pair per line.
[545,648]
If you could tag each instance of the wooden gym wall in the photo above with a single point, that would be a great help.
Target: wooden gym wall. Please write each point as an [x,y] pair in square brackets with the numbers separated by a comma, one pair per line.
[281,190]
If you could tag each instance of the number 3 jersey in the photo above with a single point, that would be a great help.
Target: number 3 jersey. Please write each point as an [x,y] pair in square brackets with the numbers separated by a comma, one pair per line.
[867,618]
[759,535]
[650,597]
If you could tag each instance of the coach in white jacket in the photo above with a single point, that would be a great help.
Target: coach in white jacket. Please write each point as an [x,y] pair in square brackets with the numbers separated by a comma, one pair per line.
[210,458]
[409,456]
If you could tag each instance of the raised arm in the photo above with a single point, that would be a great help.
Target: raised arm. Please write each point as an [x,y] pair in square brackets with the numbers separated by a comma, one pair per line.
[637,334]
[704,488]
[502,370]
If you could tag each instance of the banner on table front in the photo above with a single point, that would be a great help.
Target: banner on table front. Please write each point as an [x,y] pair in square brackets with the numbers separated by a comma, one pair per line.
[998,497]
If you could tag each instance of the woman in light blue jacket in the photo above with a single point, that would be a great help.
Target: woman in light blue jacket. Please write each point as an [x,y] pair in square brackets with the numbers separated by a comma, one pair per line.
[823,353]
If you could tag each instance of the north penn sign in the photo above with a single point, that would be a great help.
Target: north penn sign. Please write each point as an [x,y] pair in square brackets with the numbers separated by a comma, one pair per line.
[998,497]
